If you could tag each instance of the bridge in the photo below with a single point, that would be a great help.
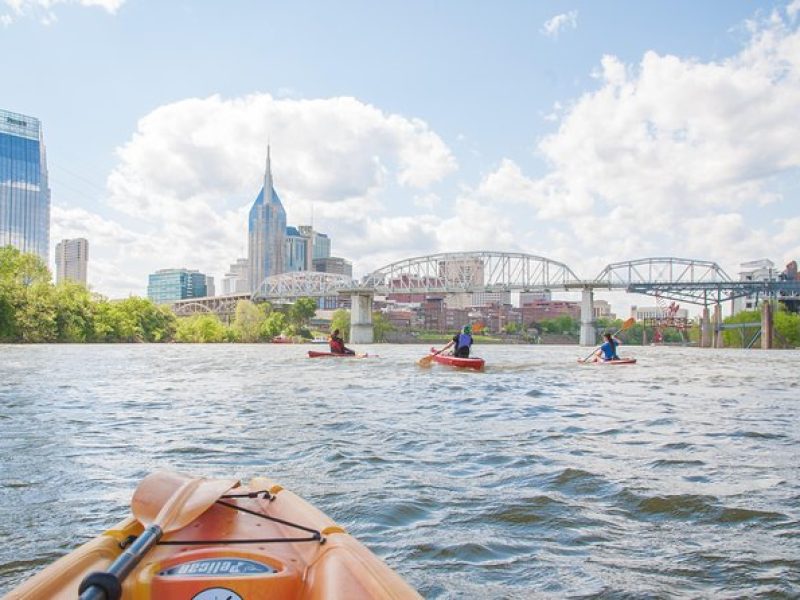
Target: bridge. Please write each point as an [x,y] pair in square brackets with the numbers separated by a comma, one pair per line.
[693,281]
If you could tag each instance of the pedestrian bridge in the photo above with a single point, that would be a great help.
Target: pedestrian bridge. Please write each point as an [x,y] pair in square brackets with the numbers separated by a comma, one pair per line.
[694,281]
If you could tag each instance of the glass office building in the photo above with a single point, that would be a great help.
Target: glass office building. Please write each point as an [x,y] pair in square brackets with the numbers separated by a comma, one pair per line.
[298,250]
[24,192]
[266,227]
[169,285]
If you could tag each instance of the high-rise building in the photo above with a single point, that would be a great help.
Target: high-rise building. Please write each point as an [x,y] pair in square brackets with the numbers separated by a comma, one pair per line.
[236,280]
[267,233]
[72,257]
[320,243]
[24,191]
[298,250]
[210,290]
[168,285]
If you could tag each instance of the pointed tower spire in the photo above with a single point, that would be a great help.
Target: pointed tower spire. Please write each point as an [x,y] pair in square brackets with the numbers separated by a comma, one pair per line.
[268,180]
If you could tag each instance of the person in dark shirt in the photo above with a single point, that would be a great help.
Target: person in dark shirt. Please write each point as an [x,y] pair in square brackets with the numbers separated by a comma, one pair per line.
[462,342]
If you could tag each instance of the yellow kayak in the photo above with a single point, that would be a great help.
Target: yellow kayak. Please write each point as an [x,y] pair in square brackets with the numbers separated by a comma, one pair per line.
[214,539]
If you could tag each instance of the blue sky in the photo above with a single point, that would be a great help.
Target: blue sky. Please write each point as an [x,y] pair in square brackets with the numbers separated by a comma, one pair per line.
[586,132]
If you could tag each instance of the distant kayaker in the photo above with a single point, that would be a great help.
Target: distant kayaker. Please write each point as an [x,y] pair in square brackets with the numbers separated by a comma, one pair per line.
[462,342]
[336,344]
[608,351]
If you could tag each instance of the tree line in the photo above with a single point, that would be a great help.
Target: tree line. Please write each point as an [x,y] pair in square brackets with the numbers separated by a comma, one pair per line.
[34,310]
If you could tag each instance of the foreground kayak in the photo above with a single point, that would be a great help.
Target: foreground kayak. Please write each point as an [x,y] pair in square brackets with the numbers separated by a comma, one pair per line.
[619,361]
[460,363]
[315,354]
[252,542]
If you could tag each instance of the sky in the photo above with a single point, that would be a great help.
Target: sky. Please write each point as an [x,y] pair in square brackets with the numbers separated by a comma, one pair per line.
[585,132]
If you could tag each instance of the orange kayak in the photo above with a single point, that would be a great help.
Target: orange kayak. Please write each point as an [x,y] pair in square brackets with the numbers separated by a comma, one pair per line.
[254,542]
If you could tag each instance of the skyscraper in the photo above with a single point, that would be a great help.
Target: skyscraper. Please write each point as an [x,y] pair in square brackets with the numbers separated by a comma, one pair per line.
[266,233]
[24,192]
[72,257]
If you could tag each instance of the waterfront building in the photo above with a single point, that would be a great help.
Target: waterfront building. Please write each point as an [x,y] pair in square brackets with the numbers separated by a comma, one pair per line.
[72,257]
[298,250]
[24,189]
[169,285]
[333,264]
[236,279]
[754,270]
[266,233]
[602,310]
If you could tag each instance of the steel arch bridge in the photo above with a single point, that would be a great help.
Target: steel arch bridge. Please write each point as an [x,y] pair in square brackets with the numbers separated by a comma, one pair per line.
[684,279]
[455,272]
[287,287]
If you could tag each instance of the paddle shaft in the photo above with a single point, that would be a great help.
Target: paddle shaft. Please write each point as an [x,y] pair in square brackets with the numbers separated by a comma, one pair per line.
[91,588]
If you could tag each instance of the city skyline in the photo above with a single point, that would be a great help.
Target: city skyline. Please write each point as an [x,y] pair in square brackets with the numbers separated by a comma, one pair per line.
[581,132]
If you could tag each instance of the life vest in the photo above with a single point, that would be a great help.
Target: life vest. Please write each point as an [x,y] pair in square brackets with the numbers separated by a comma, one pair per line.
[464,339]
[337,346]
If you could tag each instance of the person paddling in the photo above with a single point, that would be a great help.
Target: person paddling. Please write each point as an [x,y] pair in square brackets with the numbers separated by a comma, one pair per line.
[462,342]
[336,344]
[608,351]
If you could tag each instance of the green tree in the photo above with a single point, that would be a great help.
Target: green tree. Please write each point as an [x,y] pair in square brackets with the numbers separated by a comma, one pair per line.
[301,312]
[380,326]
[23,279]
[273,325]
[203,329]
[341,321]
[787,328]
[248,321]
[36,314]
[74,312]
[741,336]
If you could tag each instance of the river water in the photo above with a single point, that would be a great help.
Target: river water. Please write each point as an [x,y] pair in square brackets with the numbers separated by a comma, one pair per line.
[677,477]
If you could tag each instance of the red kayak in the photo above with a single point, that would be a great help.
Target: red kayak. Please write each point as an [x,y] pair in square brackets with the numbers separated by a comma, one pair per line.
[314,354]
[460,363]
[618,361]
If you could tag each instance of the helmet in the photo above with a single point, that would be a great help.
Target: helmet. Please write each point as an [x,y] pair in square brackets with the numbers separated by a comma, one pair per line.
[467,329]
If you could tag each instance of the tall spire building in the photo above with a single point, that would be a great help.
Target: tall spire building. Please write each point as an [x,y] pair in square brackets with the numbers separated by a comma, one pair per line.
[24,191]
[266,233]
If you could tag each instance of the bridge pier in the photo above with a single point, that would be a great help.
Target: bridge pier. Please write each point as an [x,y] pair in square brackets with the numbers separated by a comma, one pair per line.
[766,325]
[719,341]
[361,328]
[588,332]
[705,329]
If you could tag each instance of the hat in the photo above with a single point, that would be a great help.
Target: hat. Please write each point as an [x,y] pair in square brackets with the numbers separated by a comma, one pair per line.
[467,329]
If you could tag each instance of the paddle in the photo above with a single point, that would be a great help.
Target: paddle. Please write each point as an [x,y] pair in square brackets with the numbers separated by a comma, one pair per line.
[425,361]
[163,502]
[626,325]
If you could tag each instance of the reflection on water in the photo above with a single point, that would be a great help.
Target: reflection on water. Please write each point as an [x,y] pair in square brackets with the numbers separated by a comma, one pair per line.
[540,477]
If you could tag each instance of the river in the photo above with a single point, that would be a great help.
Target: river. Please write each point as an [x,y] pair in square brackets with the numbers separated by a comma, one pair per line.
[540,478]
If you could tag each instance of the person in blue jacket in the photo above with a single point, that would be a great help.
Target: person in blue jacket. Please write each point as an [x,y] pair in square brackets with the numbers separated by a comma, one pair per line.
[462,342]
[608,351]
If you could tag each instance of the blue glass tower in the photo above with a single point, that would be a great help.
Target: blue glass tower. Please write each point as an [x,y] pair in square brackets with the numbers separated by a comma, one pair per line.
[297,250]
[24,192]
[266,233]
[168,285]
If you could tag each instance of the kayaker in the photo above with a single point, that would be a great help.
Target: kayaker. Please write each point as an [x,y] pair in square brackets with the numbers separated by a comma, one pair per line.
[608,351]
[462,342]
[336,344]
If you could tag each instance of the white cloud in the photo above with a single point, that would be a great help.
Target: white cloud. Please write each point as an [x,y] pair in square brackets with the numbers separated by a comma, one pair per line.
[553,27]
[188,175]
[44,9]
